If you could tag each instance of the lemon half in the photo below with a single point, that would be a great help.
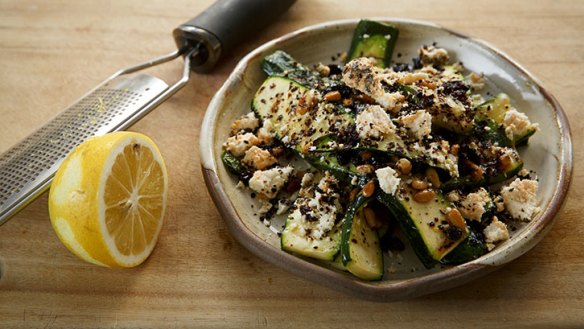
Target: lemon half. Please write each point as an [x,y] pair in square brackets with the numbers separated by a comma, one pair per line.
[108,198]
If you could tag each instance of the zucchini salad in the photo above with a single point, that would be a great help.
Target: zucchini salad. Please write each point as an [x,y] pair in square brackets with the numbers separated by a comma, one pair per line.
[372,156]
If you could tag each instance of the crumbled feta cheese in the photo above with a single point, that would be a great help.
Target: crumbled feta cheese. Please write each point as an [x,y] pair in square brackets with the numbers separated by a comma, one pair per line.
[417,124]
[407,78]
[507,156]
[433,55]
[523,173]
[374,122]
[266,132]
[520,198]
[307,179]
[312,98]
[270,182]
[327,183]
[474,205]
[320,205]
[516,123]
[326,214]
[390,101]
[429,69]
[238,144]
[283,206]
[455,105]
[388,180]
[495,232]
[498,201]
[363,75]
[476,81]
[266,206]
[258,158]
[453,196]
[246,122]
[439,153]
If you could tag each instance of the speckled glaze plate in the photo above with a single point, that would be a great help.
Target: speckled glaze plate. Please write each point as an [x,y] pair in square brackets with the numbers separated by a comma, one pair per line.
[549,154]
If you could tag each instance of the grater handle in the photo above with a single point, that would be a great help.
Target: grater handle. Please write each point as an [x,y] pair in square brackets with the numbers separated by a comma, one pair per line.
[225,24]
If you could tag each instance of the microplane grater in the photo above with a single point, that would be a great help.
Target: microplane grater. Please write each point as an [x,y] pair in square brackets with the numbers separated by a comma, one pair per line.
[27,169]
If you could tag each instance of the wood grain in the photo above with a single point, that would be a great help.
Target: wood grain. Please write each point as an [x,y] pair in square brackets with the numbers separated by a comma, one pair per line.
[52,52]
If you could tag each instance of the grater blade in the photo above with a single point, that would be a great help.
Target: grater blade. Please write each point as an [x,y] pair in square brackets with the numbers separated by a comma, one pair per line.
[27,168]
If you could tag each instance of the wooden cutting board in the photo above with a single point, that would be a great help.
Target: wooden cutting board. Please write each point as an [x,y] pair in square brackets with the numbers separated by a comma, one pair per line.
[52,52]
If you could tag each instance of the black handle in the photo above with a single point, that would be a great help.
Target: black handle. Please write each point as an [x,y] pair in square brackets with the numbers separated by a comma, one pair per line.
[223,25]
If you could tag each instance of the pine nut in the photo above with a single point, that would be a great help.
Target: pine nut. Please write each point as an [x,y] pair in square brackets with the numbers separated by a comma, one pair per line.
[505,161]
[404,166]
[366,99]
[333,96]
[477,174]
[419,184]
[277,151]
[429,84]
[455,218]
[369,189]
[424,196]
[371,218]
[365,155]
[324,70]
[365,169]
[433,177]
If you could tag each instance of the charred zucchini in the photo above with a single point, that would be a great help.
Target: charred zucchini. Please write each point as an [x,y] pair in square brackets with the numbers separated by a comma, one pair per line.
[313,228]
[297,238]
[431,231]
[487,157]
[500,106]
[470,249]
[360,247]
[297,116]
[373,39]
[301,122]
[234,165]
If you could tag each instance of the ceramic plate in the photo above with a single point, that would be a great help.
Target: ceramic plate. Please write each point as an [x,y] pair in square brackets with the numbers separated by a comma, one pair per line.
[549,154]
